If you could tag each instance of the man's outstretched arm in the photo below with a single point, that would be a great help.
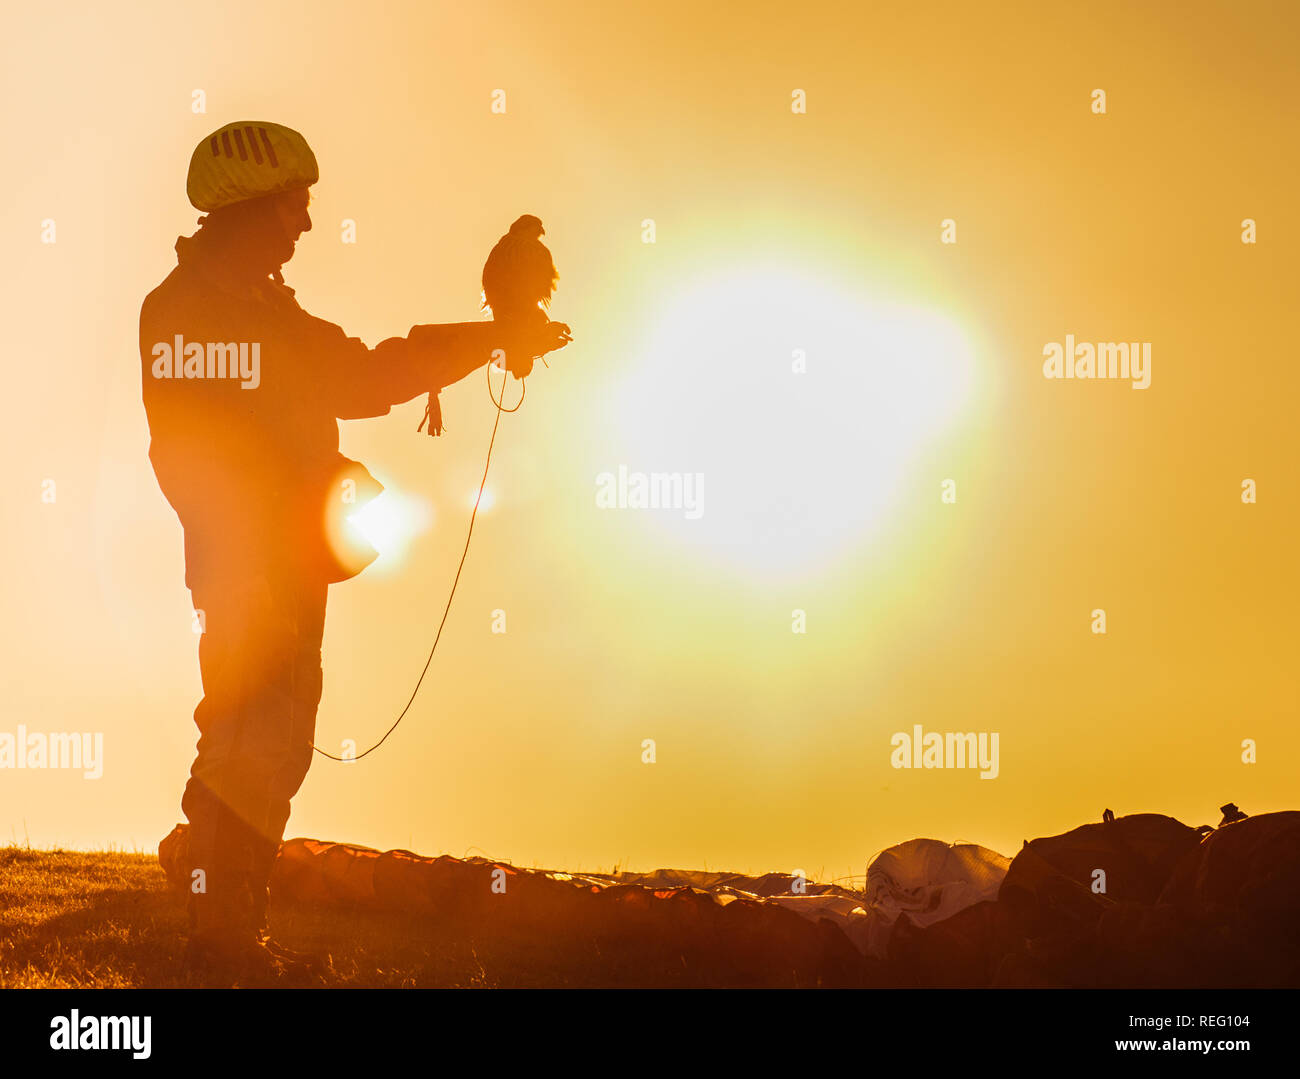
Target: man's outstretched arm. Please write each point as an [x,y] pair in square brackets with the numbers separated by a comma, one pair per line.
[461,348]
[367,382]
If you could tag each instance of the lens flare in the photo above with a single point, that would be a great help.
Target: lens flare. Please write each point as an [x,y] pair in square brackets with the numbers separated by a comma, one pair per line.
[390,522]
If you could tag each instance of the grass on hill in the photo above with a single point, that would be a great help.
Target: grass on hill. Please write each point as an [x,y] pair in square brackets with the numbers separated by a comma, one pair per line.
[71,919]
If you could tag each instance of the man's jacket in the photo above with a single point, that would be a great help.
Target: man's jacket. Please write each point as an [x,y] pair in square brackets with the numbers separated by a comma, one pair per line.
[249,457]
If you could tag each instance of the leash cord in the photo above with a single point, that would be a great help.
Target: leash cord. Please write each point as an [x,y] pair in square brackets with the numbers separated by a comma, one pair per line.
[455,580]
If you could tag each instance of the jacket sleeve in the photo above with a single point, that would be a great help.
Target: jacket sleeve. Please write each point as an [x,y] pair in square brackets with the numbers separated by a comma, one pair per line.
[357,381]
[360,382]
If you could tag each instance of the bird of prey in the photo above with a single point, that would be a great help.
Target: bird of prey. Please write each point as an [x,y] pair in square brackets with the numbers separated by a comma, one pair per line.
[519,276]
[519,279]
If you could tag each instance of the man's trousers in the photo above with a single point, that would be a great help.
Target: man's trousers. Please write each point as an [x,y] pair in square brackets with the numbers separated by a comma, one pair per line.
[260,659]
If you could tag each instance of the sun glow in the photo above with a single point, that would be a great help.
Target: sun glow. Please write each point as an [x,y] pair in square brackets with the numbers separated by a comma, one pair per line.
[801,403]
[389,523]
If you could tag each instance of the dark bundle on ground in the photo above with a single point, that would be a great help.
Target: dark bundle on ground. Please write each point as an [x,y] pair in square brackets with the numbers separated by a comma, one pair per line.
[1137,901]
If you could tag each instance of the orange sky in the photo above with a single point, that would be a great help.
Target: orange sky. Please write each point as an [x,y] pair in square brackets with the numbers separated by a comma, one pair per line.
[775,232]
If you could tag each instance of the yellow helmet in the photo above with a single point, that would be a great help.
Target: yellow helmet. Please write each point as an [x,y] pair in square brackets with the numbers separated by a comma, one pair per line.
[247,160]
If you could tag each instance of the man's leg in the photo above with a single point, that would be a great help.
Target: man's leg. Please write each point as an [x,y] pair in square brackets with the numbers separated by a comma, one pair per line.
[260,660]
[235,618]
[288,748]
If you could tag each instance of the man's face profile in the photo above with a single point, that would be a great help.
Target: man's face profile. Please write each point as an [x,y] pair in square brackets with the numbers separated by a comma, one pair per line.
[291,213]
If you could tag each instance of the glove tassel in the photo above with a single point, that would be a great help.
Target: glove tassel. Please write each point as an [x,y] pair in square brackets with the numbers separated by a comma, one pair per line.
[432,415]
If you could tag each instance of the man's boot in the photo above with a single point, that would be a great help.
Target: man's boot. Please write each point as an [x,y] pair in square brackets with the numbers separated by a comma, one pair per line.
[225,947]
[264,855]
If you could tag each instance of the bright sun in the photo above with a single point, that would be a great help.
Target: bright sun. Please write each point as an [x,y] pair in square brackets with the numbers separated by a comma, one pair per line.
[800,403]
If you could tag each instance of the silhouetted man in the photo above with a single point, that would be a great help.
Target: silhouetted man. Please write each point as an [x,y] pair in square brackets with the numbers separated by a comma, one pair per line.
[243,390]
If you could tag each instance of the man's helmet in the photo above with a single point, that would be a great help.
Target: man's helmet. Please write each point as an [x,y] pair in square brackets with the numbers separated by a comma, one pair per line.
[247,160]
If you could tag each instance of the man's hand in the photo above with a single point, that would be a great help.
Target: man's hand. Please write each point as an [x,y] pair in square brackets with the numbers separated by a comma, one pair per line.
[533,342]
[452,350]
[555,336]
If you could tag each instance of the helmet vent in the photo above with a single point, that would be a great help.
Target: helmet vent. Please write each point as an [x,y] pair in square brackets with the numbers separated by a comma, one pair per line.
[270,151]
